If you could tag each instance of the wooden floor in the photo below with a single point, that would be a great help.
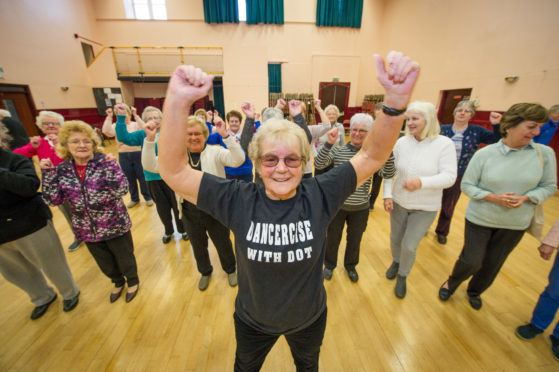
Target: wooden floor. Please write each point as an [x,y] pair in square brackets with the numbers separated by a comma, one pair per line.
[172,326]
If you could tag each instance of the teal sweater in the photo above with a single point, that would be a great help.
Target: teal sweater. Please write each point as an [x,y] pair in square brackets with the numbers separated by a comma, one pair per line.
[497,169]
[133,139]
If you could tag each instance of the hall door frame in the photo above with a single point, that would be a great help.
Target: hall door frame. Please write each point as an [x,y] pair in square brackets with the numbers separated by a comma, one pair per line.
[18,98]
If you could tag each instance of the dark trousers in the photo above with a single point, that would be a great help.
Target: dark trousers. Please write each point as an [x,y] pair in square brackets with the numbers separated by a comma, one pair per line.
[547,306]
[116,260]
[356,225]
[375,189]
[484,253]
[450,198]
[166,205]
[131,164]
[242,177]
[197,223]
[253,345]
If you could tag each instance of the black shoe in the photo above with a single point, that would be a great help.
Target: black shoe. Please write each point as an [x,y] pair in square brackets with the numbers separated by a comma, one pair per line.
[68,305]
[444,293]
[400,289]
[528,331]
[166,238]
[554,346]
[39,311]
[185,236]
[75,245]
[475,302]
[392,270]
[353,276]
[441,239]
[327,273]
[130,295]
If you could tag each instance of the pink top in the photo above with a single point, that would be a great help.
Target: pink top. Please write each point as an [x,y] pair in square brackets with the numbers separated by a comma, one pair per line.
[44,151]
[552,237]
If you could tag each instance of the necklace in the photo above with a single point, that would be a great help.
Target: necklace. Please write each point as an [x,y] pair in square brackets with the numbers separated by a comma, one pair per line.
[193,165]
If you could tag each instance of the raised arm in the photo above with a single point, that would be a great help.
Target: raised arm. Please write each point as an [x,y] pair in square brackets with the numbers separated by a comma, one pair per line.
[187,85]
[108,128]
[297,114]
[398,82]
[137,118]
[248,128]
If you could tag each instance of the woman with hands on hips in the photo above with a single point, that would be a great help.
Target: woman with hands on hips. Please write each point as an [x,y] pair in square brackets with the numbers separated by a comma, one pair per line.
[280,226]
[425,164]
[502,199]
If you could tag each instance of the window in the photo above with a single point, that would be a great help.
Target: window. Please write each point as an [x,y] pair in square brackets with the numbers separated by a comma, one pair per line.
[242,5]
[88,53]
[145,9]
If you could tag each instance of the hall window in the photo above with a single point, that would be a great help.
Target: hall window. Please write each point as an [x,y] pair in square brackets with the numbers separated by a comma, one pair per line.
[145,9]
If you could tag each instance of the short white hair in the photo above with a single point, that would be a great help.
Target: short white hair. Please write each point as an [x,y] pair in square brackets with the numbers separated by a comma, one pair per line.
[5,113]
[271,113]
[361,118]
[52,114]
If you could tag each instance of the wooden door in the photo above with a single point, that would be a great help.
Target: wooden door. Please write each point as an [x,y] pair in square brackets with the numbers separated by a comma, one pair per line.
[449,99]
[17,99]
[334,93]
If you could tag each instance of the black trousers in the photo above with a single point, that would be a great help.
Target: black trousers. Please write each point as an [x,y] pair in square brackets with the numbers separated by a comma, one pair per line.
[116,260]
[448,204]
[253,345]
[356,225]
[375,189]
[197,223]
[166,203]
[484,253]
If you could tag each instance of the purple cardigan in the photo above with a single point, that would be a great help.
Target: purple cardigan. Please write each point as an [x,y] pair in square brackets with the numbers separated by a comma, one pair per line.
[98,212]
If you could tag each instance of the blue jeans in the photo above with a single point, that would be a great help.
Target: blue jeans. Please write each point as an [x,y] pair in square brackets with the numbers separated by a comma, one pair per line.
[131,164]
[549,301]
[253,345]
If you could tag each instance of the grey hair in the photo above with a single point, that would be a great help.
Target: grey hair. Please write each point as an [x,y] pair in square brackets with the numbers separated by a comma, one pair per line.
[465,103]
[52,114]
[5,113]
[361,118]
[151,109]
[554,108]
[271,113]
[5,138]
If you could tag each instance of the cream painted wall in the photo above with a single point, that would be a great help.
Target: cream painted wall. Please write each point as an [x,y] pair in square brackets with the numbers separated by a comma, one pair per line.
[476,44]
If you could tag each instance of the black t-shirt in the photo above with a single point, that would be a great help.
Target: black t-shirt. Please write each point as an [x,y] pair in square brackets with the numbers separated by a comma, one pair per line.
[279,245]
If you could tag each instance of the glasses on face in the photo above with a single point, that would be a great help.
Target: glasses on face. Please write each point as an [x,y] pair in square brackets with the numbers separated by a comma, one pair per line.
[360,131]
[271,160]
[83,142]
[50,123]
[464,111]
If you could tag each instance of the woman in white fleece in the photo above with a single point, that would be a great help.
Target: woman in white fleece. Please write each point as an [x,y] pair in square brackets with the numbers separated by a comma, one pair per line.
[425,165]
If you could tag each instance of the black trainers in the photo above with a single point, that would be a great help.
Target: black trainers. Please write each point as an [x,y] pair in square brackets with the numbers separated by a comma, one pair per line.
[185,236]
[400,289]
[166,238]
[475,302]
[528,331]
[392,270]
[75,245]
[441,239]
[327,273]
[353,276]
[68,305]
[554,346]
[39,311]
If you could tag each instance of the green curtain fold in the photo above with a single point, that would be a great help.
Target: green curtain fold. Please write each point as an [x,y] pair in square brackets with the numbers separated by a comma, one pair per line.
[339,13]
[221,11]
[274,77]
[264,11]
[219,104]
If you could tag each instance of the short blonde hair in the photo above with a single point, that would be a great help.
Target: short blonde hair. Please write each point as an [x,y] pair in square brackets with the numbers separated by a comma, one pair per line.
[5,138]
[279,130]
[429,113]
[195,120]
[332,107]
[200,112]
[52,114]
[76,126]
[150,109]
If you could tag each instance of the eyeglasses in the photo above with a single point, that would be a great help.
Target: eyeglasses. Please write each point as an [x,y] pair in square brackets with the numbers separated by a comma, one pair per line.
[360,131]
[466,111]
[51,123]
[84,142]
[271,160]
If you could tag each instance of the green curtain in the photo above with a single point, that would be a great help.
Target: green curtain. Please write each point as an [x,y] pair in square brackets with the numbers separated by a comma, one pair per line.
[218,95]
[339,13]
[264,11]
[274,77]
[221,11]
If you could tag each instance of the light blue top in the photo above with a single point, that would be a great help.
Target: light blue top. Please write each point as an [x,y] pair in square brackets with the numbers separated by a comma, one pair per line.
[497,169]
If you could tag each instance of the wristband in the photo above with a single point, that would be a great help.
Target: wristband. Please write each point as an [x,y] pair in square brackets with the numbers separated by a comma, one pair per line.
[392,111]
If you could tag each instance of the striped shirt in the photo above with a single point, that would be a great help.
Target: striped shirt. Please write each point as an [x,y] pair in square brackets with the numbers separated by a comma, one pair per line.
[340,154]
